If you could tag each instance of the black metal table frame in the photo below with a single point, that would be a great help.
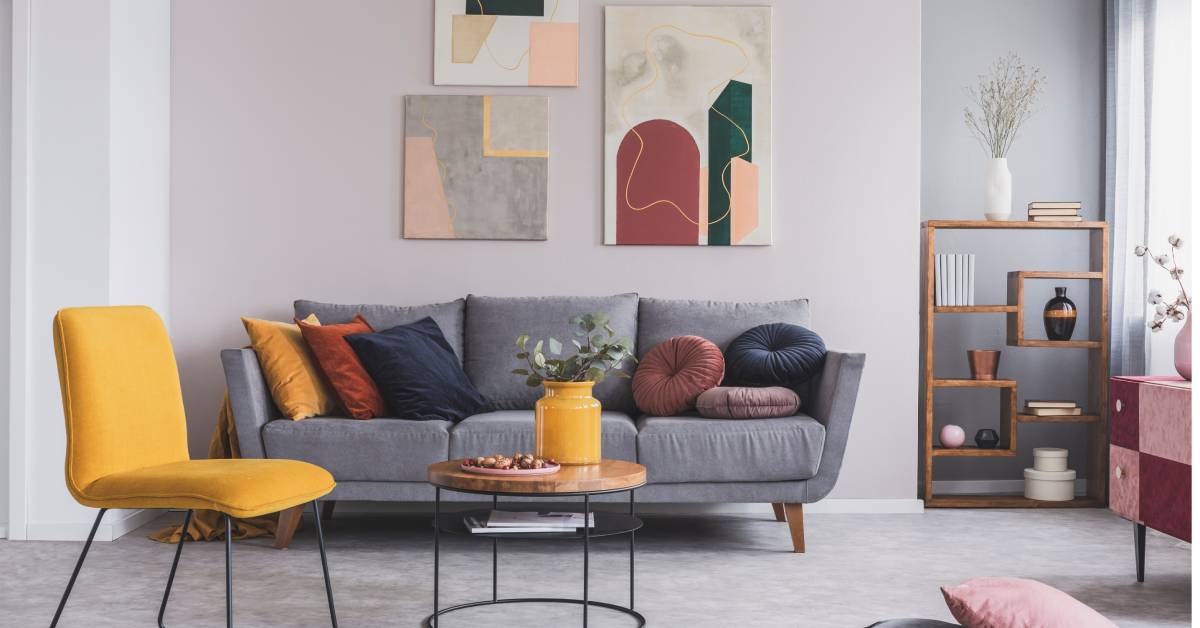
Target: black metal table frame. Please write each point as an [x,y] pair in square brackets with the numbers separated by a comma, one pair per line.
[431,621]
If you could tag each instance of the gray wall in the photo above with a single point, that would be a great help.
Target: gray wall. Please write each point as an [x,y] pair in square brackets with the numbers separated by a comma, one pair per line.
[287,118]
[1059,156]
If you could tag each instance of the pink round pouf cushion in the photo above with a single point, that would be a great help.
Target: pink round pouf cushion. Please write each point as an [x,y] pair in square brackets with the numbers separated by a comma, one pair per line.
[952,437]
[675,372]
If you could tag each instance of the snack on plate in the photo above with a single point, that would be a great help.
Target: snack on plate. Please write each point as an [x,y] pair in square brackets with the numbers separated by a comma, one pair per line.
[518,460]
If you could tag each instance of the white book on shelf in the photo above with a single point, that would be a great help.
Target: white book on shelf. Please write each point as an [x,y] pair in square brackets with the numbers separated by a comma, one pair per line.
[971,279]
[960,275]
[950,279]
[939,265]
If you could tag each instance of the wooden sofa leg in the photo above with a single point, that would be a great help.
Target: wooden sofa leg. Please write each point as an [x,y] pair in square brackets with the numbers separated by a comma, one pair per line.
[795,519]
[327,509]
[779,514]
[289,520]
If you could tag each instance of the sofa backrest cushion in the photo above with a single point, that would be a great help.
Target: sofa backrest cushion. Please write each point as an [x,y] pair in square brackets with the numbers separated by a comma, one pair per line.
[493,324]
[448,316]
[718,321]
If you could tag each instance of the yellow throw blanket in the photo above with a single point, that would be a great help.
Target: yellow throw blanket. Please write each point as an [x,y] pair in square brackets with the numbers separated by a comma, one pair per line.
[209,525]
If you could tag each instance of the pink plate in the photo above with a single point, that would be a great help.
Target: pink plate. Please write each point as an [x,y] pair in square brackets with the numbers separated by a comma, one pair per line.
[485,471]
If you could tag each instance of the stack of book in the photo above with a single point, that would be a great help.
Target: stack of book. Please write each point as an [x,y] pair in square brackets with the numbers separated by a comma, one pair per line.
[1035,407]
[505,522]
[1047,211]
[955,279]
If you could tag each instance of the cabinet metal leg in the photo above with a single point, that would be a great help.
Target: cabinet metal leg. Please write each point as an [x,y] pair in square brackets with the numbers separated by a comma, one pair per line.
[1139,550]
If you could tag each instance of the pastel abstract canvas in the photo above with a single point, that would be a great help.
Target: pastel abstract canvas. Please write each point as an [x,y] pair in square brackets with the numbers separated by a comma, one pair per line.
[687,125]
[475,167]
[506,42]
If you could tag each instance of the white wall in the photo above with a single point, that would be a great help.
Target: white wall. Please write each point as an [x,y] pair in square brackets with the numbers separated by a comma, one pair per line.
[139,152]
[286,156]
[1058,156]
[6,93]
[91,75]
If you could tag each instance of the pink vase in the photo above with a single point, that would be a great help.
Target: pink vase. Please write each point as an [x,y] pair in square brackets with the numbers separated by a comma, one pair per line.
[1183,350]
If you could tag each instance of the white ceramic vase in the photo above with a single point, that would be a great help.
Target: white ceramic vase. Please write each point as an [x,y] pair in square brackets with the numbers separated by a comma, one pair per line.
[998,195]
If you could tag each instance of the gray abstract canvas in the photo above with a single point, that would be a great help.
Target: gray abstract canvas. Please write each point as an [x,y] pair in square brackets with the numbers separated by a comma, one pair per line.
[475,167]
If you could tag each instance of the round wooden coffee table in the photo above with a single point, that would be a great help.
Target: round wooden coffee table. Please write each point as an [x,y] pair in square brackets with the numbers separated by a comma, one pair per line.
[610,476]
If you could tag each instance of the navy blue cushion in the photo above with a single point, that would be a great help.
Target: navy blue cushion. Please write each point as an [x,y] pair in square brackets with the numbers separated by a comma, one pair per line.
[417,372]
[775,354]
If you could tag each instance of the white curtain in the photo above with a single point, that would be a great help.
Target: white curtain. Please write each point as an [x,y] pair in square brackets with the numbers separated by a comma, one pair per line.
[1130,76]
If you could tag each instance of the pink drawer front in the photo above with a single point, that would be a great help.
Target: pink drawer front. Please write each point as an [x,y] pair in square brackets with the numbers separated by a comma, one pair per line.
[1123,492]
[1123,408]
[1165,496]
[1165,422]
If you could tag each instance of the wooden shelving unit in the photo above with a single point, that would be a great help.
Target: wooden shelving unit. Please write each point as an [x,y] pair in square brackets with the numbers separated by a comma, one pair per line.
[1097,347]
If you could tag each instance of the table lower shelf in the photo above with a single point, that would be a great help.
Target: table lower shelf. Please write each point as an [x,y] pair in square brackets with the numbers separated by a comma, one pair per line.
[1007,501]
[607,524]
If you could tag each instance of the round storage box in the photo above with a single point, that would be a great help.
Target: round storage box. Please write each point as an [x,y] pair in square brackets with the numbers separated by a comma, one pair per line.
[1049,459]
[1050,486]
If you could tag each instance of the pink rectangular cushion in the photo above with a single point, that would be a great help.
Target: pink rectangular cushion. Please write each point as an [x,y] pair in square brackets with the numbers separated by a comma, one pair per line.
[737,402]
[1018,603]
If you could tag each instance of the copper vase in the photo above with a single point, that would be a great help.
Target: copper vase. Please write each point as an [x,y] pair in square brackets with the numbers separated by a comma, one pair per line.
[984,363]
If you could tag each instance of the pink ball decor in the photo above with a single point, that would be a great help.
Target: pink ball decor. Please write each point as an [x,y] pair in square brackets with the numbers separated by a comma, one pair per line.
[952,436]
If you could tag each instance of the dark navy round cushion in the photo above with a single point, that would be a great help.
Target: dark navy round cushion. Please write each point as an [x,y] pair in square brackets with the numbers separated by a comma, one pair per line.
[775,354]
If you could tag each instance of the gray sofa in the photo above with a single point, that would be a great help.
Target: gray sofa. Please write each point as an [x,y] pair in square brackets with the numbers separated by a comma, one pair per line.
[689,459]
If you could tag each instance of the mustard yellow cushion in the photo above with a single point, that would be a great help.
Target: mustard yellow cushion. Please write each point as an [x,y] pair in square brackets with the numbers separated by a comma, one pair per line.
[241,488]
[293,376]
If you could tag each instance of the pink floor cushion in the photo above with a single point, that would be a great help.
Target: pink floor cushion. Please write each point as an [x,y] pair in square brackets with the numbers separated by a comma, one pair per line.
[674,373]
[737,402]
[1018,603]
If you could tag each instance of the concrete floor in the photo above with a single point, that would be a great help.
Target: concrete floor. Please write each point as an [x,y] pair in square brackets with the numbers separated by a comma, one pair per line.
[712,571]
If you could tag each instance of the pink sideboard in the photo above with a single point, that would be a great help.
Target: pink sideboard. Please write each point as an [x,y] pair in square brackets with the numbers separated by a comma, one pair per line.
[1150,457]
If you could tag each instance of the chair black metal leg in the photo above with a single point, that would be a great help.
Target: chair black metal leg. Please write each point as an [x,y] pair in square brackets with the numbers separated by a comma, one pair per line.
[324,563]
[228,572]
[183,535]
[78,565]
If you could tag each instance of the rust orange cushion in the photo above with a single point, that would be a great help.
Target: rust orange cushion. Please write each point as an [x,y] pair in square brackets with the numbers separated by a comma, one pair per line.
[675,372]
[354,387]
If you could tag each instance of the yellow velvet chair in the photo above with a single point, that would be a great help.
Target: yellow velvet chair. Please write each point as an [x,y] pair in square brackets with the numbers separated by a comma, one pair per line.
[127,438]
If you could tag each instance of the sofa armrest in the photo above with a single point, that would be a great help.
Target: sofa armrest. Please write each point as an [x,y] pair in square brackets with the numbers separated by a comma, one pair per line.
[832,403]
[249,398]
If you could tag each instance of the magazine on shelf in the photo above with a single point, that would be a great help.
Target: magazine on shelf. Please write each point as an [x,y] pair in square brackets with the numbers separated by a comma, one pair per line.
[480,526]
[559,520]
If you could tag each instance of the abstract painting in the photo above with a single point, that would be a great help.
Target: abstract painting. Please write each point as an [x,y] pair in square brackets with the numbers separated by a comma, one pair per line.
[506,42]
[687,125]
[475,167]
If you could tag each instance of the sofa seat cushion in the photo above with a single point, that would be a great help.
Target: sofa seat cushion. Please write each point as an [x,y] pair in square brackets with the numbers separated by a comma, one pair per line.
[510,431]
[696,449]
[380,449]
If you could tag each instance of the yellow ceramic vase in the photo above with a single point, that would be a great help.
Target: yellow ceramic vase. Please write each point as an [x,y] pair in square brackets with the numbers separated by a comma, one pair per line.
[567,423]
